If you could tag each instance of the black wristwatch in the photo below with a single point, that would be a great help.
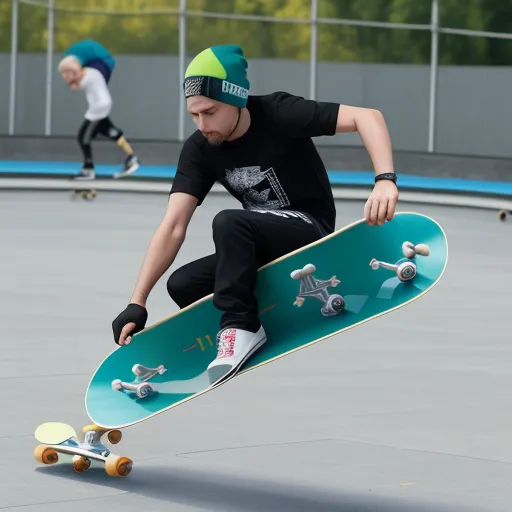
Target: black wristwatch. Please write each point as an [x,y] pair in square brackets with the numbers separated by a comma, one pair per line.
[391,176]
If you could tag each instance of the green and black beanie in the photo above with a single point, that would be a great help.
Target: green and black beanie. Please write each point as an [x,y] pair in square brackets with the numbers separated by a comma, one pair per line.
[219,73]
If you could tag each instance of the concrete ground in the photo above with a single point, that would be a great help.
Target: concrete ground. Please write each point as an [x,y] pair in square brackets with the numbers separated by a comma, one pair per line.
[410,412]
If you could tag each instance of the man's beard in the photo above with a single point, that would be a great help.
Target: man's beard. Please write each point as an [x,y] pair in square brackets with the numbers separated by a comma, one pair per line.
[216,140]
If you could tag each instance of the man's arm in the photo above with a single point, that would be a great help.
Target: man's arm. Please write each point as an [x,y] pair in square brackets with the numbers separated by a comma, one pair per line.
[301,118]
[191,184]
[372,129]
[163,248]
[165,244]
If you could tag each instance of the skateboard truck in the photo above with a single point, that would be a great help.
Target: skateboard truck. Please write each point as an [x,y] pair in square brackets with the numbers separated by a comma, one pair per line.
[405,268]
[140,385]
[312,287]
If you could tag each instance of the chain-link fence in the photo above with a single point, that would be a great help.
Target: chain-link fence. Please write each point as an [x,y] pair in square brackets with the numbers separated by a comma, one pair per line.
[441,89]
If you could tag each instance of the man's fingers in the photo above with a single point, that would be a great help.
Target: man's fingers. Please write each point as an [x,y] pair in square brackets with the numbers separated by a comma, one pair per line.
[374,212]
[124,338]
[391,209]
[367,208]
[383,206]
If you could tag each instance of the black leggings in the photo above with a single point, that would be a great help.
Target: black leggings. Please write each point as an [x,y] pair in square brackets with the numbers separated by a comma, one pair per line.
[244,241]
[89,130]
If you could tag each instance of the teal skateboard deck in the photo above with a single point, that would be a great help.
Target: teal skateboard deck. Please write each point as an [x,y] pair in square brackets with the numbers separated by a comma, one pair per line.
[349,277]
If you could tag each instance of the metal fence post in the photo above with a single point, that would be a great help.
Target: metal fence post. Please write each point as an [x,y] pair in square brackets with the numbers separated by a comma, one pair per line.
[182,56]
[49,68]
[313,53]
[434,60]
[14,59]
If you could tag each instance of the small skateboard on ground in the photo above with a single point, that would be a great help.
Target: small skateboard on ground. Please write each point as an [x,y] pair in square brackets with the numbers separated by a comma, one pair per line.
[88,194]
[349,277]
[58,438]
[82,189]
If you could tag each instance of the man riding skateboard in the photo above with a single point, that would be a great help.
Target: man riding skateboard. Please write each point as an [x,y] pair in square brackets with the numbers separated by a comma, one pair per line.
[260,148]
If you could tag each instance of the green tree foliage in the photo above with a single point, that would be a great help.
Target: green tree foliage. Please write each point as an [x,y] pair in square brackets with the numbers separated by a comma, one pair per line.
[134,32]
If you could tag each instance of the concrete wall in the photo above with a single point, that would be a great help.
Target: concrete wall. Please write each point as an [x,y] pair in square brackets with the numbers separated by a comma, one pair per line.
[473,109]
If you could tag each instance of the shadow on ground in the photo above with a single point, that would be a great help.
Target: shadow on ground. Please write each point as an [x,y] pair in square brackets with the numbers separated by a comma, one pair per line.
[229,493]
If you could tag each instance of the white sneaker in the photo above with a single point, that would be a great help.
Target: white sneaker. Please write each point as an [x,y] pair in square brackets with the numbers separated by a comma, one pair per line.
[234,347]
[131,164]
[85,175]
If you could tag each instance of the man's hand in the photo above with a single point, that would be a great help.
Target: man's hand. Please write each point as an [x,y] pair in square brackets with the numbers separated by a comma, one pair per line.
[372,129]
[382,203]
[129,322]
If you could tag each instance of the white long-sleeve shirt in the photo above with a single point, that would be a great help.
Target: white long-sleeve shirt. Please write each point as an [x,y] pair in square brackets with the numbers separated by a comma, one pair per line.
[97,95]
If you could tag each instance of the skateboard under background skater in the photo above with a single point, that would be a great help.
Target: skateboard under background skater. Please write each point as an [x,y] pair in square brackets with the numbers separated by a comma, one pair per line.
[81,188]
[88,194]
[343,280]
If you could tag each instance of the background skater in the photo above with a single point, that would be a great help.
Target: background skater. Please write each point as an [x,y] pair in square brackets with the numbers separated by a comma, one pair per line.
[87,65]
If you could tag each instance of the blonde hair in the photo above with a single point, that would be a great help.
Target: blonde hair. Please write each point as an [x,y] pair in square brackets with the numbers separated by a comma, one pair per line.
[69,63]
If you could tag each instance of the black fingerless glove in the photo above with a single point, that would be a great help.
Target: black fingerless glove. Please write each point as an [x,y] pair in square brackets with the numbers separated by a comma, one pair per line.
[133,313]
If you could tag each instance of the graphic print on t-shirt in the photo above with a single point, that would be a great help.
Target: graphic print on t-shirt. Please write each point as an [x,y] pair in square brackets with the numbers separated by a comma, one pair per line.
[259,189]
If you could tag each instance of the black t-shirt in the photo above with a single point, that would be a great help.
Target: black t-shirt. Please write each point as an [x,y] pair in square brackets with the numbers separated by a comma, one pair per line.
[274,165]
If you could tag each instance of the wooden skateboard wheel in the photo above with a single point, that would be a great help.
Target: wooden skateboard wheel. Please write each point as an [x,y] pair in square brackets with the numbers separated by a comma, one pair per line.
[118,466]
[114,436]
[81,464]
[46,454]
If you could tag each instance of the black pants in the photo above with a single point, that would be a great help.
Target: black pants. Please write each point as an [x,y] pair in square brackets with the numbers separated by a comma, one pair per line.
[244,241]
[89,131]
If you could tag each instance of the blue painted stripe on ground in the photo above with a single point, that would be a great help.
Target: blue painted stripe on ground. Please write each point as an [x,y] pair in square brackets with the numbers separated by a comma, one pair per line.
[424,182]
[359,178]
[71,168]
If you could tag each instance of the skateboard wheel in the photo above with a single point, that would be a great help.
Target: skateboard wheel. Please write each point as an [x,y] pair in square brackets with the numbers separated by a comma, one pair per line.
[117,385]
[408,250]
[309,269]
[502,215]
[118,466]
[81,464]
[46,455]
[114,436]
[144,390]
[406,271]
[422,249]
[333,306]
[137,370]
[374,264]
[337,303]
